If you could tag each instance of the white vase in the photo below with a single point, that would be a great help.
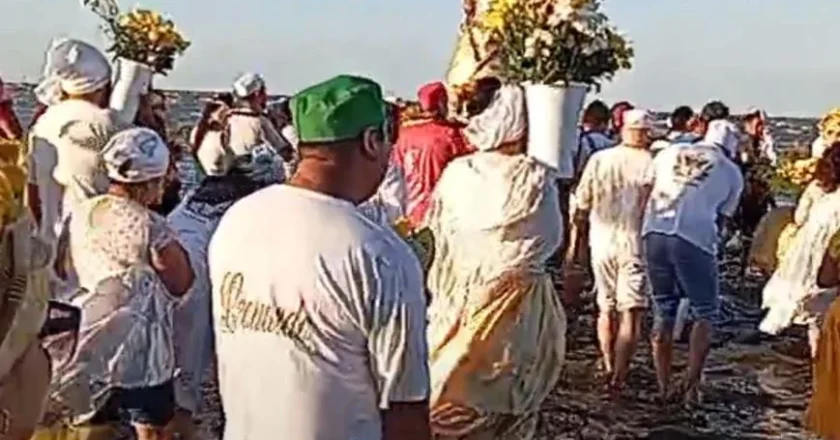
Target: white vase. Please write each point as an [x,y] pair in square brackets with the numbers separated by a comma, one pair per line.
[553,115]
[131,81]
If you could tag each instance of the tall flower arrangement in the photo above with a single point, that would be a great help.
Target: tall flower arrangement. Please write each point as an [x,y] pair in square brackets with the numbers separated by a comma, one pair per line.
[556,42]
[142,35]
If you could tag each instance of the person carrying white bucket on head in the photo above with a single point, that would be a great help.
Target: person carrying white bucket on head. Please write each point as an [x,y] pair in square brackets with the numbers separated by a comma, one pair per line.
[65,166]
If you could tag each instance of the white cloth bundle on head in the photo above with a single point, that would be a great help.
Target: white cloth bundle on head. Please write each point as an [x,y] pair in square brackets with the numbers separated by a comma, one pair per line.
[723,134]
[136,155]
[73,67]
[504,121]
[247,84]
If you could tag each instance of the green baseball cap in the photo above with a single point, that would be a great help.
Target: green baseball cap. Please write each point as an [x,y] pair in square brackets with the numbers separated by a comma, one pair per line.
[337,109]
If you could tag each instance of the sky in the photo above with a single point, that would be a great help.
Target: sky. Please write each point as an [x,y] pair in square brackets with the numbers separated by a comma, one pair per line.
[767,53]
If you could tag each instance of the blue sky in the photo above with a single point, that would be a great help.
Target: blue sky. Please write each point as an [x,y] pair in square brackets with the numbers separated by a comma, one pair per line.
[746,52]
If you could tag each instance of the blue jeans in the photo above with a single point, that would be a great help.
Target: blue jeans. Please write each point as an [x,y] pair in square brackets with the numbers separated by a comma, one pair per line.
[677,268]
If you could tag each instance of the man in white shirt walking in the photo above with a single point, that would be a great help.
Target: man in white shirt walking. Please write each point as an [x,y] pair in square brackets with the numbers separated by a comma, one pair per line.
[248,124]
[610,201]
[320,316]
[696,188]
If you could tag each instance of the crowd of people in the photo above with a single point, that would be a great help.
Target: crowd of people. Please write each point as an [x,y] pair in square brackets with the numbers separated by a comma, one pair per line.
[276,265]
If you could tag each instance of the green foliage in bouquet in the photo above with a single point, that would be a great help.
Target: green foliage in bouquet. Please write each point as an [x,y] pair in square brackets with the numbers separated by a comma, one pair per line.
[556,42]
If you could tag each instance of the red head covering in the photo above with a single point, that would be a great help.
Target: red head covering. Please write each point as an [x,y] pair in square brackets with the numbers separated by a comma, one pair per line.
[431,96]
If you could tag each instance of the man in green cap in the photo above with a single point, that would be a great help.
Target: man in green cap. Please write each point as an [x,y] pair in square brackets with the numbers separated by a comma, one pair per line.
[319,313]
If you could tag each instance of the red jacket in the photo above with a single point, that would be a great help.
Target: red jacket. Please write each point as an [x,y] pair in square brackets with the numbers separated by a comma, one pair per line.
[422,151]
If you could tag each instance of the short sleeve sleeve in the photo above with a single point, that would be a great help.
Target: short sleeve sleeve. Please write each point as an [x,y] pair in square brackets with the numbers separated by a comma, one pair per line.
[160,233]
[397,330]
[734,198]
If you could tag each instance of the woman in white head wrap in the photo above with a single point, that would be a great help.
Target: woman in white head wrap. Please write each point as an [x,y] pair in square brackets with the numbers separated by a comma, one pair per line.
[497,329]
[131,270]
[64,161]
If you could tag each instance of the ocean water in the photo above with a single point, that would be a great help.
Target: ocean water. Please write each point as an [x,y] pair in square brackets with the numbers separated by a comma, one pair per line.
[754,388]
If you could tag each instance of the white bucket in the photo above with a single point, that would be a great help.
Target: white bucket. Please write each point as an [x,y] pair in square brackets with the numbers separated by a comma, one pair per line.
[553,114]
[132,80]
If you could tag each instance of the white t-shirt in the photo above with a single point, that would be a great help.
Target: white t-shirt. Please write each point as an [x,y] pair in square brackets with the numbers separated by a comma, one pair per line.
[66,142]
[612,188]
[248,130]
[693,186]
[319,318]
[213,156]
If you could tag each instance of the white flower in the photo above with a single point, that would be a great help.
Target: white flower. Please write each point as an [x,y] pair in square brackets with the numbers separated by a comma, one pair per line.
[543,36]
[531,47]
[560,15]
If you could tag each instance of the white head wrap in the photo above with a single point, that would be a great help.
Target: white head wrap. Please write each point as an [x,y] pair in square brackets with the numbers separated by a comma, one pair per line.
[136,155]
[723,134]
[247,84]
[73,67]
[504,121]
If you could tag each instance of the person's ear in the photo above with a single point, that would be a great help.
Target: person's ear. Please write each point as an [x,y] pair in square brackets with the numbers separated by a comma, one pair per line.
[372,143]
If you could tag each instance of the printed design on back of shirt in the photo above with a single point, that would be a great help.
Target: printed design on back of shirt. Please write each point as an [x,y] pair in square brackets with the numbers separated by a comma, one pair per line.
[692,167]
[240,314]
[92,138]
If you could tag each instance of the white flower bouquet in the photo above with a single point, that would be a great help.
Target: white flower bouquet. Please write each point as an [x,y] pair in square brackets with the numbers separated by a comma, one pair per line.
[555,42]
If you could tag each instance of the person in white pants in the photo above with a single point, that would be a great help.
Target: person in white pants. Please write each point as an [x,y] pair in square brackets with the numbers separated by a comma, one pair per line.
[610,198]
